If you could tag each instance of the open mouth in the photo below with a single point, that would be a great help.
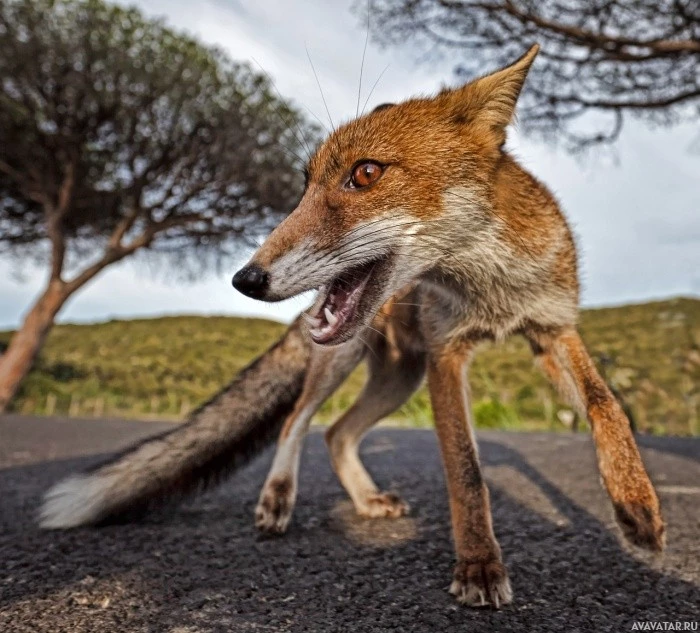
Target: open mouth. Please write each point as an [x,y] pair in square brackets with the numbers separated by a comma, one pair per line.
[338,311]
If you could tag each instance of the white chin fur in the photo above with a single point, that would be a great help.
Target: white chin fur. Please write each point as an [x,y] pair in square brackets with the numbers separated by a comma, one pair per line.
[77,500]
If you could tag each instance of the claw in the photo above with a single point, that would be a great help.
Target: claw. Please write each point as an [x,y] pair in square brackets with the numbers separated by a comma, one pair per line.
[479,584]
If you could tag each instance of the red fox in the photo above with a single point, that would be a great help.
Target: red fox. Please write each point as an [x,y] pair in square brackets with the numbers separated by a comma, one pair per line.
[425,238]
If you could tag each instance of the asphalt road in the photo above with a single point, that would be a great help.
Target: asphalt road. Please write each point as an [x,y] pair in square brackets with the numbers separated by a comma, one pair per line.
[203,568]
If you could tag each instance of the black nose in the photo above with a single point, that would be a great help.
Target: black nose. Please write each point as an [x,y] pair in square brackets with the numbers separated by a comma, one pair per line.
[252,281]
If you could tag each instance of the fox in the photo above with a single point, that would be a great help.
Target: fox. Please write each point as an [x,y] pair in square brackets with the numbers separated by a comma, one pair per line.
[424,237]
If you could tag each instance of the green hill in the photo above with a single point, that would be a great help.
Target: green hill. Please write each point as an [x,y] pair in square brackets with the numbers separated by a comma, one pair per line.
[164,367]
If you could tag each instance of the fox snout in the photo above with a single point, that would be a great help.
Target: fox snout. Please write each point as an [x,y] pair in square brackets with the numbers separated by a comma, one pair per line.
[252,281]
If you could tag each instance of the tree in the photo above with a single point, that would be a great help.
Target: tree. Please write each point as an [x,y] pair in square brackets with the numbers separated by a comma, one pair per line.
[601,60]
[118,135]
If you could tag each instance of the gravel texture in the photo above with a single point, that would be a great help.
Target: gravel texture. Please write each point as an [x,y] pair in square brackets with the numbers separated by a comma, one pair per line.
[202,568]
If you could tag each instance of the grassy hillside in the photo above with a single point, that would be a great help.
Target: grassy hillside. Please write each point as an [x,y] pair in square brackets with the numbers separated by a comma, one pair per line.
[164,367]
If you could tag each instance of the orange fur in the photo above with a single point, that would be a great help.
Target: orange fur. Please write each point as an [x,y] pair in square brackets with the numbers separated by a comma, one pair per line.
[452,244]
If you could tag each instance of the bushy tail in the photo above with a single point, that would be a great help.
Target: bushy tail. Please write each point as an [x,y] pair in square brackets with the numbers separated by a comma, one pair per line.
[221,436]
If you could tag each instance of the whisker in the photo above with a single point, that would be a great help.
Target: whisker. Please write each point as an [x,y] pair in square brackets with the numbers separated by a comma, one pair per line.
[301,141]
[315,116]
[363,242]
[369,244]
[390,227]
[292,154]
[380,230]
[362,65]
[369,96]
[341,263]
[389,217]
[369,327]
[377,235]
[318,83]
[367,345]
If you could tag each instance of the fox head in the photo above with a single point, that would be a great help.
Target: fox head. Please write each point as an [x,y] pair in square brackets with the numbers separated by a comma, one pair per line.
[376,214]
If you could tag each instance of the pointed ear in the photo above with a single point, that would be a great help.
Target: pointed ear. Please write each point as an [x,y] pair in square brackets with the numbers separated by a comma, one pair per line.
[491,99]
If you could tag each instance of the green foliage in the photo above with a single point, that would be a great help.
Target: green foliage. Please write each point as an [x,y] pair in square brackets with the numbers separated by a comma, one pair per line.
[116,126]
[494,414]
[165,367]
[120,136]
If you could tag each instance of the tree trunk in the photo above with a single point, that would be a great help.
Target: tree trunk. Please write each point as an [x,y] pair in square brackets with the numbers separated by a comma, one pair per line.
[17,360]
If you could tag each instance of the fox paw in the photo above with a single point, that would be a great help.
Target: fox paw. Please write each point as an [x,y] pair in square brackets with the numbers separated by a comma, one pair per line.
[641,525]
[275,506]
[383,505]
[481,583]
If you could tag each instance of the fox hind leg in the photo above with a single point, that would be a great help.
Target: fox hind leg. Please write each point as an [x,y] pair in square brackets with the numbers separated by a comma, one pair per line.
[328,368]
[393,377]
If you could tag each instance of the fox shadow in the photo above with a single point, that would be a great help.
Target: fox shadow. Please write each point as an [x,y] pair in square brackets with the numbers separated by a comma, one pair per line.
[688,448]
[203,566]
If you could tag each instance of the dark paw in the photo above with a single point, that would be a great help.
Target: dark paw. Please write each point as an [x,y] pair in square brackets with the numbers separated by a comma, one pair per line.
[481,583]
[641,525]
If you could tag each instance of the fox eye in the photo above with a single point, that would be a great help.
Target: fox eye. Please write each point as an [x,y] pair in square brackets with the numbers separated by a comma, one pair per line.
[365,174]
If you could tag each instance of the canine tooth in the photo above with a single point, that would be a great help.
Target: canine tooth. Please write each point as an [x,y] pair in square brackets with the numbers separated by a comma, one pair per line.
[313,322]
[330,317]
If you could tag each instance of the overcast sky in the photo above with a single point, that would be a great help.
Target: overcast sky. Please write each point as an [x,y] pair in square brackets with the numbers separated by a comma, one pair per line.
[637,219]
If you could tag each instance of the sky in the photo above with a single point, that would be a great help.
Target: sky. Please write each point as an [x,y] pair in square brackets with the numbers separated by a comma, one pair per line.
[636,214]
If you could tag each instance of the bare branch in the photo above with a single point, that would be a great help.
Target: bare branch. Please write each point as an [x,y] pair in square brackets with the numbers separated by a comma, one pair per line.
[629,58]
[123,228]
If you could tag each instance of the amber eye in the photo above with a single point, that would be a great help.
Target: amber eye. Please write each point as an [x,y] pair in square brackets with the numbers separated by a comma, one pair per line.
[365,174]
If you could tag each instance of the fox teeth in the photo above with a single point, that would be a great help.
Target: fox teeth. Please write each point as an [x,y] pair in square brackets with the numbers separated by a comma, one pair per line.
[314,322]
[330,317]
[320,331]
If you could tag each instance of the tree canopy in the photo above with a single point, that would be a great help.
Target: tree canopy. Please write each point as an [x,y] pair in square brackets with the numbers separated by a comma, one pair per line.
[118,131]
[117,136]
[600,62]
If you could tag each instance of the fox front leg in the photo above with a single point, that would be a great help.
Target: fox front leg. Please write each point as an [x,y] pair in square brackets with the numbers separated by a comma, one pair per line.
[328,368]
[394,375]
[480,578]
[566,362]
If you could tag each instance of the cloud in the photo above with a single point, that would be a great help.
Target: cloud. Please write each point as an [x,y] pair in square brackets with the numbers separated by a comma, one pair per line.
[637,221]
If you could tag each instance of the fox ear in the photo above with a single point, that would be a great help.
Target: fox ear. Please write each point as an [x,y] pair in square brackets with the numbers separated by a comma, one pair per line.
[491,99]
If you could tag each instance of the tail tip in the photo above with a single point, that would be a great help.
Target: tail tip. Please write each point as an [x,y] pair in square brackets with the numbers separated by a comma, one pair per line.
[75,501]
